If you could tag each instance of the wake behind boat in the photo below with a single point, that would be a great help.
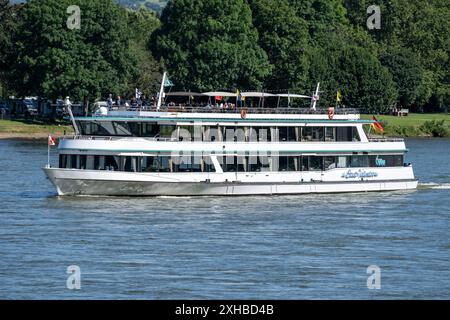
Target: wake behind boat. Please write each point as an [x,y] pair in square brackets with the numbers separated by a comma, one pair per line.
[190,151]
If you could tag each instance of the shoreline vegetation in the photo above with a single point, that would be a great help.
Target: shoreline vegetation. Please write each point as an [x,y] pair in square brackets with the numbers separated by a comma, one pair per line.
[413,125]
[32,129]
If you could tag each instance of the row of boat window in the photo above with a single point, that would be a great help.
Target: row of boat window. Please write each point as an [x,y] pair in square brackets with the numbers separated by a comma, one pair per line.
[228,163]
[217,133]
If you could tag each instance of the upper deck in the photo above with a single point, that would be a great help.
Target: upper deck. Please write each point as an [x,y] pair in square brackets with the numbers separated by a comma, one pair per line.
[247,115]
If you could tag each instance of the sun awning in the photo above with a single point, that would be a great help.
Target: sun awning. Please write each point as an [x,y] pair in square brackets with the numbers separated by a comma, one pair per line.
[287,95]
[257,94]
[183,94]
[219,94]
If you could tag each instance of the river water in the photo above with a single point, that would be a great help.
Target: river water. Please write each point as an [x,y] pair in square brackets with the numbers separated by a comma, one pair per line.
[284,247]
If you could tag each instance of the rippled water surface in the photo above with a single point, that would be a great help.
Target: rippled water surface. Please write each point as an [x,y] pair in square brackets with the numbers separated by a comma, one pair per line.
[285,247]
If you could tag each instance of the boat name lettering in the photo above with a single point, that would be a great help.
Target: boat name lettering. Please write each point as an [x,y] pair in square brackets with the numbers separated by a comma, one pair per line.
[359,174]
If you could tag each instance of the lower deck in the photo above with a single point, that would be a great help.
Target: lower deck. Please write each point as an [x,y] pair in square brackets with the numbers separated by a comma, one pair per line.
[114,183]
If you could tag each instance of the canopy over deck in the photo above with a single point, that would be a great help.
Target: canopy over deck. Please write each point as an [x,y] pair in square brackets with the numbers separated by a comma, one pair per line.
[289,95]
[257,94]
[219,94]
[184,94]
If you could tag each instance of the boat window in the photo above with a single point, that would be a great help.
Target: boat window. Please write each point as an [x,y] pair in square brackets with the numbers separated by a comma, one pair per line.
[359,161]
[315,163]
[252,163]
[149,129]
[63,161]
[330,133]
[111,163]
[386,161]
[235,134]
[168,131]
[288,164]
[258,163]
[264,133]
[130,164]
[92,128]
[73,162]
[90,162]
[213,134]
[342,162]
[307,134]
[99,163]
[329,163]
[121,129]
[347,134]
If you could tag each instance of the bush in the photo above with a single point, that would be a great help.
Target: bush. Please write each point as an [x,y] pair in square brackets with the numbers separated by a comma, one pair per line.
[436,128]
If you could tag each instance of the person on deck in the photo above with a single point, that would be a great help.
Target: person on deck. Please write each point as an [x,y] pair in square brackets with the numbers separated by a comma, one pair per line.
[110,102]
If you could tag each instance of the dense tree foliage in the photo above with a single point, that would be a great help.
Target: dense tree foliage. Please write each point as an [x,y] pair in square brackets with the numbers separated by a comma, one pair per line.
[54,60]
[142,24]
[284,37]
[227,44]
[8,27]
[414,35]
[213,44]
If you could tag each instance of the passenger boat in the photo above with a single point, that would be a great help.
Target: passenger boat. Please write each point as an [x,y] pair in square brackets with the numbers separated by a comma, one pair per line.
[190,151]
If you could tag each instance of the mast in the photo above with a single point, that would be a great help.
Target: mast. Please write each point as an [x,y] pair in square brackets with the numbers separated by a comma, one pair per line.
[161,91]
[68,104]
[315,97]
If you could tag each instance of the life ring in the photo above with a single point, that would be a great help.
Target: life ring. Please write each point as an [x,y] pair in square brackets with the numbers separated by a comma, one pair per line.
[331,113]
[243,114]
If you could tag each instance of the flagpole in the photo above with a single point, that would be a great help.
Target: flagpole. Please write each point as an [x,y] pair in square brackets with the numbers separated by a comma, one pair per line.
[48,152]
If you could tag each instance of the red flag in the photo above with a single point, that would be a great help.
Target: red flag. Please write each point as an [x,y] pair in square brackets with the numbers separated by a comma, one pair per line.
[377,126]
[219,98]
[51,141]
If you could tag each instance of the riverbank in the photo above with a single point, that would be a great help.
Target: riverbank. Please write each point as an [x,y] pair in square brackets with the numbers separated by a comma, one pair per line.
[415,124]
[32,130]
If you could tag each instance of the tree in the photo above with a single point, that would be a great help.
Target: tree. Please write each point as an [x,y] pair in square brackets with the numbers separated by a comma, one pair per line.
[54,61]
[210,44]
[142,24]
[407,74]
[322,16]
[423,28]
[8,27]
[364,83]
[284,37]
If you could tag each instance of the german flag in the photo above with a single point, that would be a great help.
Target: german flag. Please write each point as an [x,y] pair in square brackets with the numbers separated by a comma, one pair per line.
[377,126]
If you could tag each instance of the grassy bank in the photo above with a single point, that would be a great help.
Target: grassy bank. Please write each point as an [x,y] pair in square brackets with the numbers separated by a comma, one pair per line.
[28,129]
[415,124]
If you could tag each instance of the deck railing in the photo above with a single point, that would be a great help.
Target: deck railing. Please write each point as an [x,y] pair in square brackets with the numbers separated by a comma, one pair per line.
[386,140]
[249,110]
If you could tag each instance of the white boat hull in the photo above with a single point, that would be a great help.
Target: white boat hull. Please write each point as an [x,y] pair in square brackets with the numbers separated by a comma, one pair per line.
[107,183]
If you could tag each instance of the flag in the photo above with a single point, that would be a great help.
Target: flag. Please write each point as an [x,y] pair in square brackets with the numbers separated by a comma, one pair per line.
[218,98]
[338,97]
[138,93]
[51,141]
[238,96]
[167,82]
[377,126]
